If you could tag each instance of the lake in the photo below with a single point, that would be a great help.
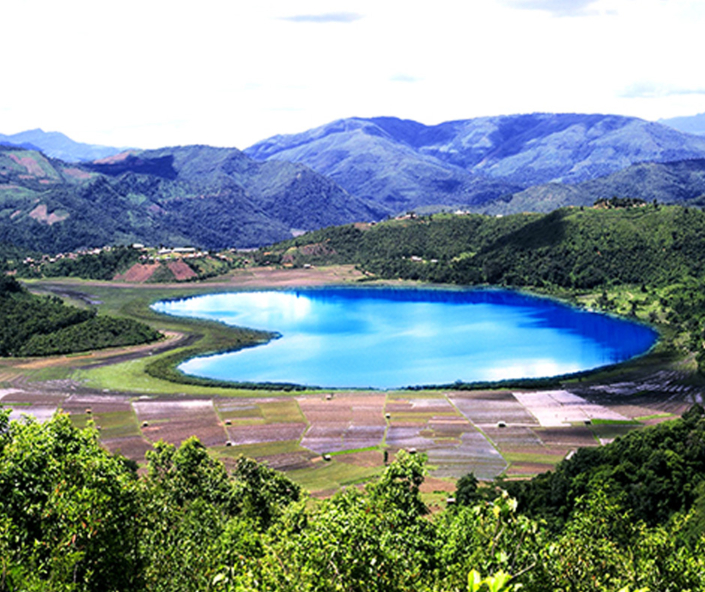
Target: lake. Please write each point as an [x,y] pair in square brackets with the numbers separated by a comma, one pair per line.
[388,338]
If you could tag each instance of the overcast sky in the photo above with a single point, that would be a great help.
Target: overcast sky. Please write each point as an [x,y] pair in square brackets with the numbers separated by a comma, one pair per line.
[153,73]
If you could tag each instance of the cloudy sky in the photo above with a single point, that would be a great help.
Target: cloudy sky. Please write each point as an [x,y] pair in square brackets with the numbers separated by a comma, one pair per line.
[152,73]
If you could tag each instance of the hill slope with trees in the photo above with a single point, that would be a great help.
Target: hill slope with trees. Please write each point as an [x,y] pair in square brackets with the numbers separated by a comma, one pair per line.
[39,326]
[74,517]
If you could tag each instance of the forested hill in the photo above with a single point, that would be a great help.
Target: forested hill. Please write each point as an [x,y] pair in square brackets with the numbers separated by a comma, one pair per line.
[570,247]
[38,326]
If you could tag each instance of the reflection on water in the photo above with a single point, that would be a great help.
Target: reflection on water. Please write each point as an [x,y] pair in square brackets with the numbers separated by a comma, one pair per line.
[386,338]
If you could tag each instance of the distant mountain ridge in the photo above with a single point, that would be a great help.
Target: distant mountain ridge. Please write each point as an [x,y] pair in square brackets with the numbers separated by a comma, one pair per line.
[400,162]
[194,195]
[58,145]
[692,124]
[681,182]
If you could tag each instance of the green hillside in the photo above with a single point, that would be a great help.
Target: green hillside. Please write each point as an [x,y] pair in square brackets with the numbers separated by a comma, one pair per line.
[570,248]
[38,326]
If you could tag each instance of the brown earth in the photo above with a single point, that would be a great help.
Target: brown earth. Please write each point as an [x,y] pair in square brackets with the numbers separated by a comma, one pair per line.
[138,273]
[181,270]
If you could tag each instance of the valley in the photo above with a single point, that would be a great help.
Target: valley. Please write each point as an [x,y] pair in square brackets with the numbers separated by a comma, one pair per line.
[292,430]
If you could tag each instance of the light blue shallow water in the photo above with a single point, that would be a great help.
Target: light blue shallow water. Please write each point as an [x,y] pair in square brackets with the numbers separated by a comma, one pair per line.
[389,338]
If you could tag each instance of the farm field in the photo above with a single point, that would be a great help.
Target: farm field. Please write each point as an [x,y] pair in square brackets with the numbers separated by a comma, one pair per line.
[332,439]
[324,440]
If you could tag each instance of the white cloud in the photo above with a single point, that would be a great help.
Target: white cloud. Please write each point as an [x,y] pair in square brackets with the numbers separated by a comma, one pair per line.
[649,90]
[328,17]
[557,7]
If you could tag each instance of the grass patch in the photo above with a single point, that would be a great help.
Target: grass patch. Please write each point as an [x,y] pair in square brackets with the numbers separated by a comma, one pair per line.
[655,416]
[354,450]
[260,450]
[285,411]
[532,457]
[332,475]
[118,424]
[614,422]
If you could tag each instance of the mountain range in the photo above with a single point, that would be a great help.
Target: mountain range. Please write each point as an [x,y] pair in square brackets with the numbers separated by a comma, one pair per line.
[349,170]
[398,162]
[195,195]
[58,145]
[692,124]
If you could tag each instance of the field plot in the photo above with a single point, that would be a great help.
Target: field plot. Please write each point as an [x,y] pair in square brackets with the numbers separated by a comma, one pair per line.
[343,422]
[175,420]
[473,453]
[325,478]
[487,408]
[41,406]
[564,439]
[561,408]
[117,421]
[432,425]
[256,421]
[268,430]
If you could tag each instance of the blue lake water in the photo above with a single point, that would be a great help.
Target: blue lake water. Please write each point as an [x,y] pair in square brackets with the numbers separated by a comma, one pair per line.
[389,338]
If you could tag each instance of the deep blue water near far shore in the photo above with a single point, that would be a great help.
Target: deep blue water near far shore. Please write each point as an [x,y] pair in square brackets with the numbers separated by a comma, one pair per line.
[388,338]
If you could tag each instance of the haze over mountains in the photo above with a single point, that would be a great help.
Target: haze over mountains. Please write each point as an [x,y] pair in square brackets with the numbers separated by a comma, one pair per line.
[58,145]
[693,124]
[347,171]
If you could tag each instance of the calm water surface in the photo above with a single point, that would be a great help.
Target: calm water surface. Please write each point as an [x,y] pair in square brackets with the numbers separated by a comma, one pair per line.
[387,338]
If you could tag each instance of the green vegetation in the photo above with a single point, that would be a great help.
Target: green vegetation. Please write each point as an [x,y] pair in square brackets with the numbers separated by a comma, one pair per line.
[73,517]
[654,473]
[38,326]
[98,266]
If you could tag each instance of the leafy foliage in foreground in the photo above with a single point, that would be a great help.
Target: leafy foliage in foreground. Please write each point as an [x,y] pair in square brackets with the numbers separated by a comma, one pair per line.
[654,473]
[38,326]
[74,517]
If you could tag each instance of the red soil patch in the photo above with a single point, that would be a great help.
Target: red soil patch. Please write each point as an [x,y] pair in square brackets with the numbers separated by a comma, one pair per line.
[115,158]
[181,270]
[30,164]
[431,484]
[40,214]
[77,173]
[368,458]
[138,273]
